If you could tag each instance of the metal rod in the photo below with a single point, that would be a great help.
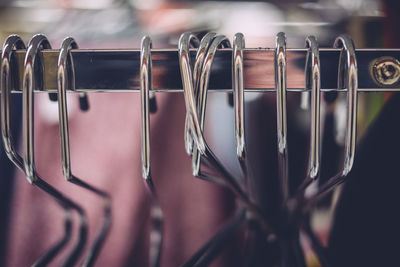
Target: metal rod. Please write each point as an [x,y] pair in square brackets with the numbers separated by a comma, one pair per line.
[118,70]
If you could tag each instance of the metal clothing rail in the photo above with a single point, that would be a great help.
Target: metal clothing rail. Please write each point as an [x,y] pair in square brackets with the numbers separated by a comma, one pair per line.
[118,70]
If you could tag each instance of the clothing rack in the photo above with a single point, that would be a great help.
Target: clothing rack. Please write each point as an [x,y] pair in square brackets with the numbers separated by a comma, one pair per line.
[117,70]
[231,70]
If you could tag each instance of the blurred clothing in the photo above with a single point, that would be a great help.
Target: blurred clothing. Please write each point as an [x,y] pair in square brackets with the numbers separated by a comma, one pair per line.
[105,152]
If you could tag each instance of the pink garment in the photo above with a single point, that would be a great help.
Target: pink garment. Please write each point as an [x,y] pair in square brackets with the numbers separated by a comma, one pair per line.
[105,152]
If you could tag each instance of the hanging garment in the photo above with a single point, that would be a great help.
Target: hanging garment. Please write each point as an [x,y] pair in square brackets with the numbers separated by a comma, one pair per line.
[366,228]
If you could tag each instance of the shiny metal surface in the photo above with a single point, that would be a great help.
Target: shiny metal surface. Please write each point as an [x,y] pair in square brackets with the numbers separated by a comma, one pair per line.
[63,83]
[65,80]
[14,41]
[29,82]
[198,65]
[281,112]
[218,41]
[118,70]
[348,76]
[313,81]
[238,93]
[188,87]
[146,83]
[238,102]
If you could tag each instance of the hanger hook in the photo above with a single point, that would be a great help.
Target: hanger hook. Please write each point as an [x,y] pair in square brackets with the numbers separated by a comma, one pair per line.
[146,82]
[281,112]
[218,41]
[29,82]
[82,96]
[189,93]
[238,89]
[202,47]
[63,81]
[9,77]
[348,76]
[313,81]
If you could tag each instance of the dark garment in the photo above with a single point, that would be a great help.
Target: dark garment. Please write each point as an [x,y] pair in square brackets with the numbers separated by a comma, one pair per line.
[366,230]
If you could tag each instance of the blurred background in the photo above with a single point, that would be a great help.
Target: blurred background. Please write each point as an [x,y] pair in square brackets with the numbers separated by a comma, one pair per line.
[98,24]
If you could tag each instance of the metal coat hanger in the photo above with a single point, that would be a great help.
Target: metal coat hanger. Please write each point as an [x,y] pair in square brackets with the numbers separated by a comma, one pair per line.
[30,83]
[146,84]
[313,81]
[348,78]
[65,79]
[205,255]
[196,122]
[9,79]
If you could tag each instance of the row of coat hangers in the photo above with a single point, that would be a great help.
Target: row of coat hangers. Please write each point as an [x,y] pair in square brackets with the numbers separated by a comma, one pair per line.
[295,208]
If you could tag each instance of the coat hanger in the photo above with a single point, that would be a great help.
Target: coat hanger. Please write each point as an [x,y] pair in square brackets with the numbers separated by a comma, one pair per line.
[30,83]
[67,79]
[224,177]
[348,78]
[210,250]
[347,72]
[9,79]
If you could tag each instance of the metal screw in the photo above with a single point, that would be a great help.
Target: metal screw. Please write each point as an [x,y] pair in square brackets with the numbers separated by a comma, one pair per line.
[386,71]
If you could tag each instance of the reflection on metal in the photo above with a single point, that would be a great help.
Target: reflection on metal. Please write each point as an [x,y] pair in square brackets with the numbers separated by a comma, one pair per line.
[385,71]
[118,70]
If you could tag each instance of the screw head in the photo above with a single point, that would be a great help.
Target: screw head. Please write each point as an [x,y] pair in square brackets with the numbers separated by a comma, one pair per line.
[385,71]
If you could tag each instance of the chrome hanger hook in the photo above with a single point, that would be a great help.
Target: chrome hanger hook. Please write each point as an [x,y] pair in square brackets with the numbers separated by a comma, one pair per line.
[189,92]
[238,102]
[146,84]
[7,81]
[217,41]
[196,111]
[313,81]
[238,89]
[281,112]
[348,76]
[188,39]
